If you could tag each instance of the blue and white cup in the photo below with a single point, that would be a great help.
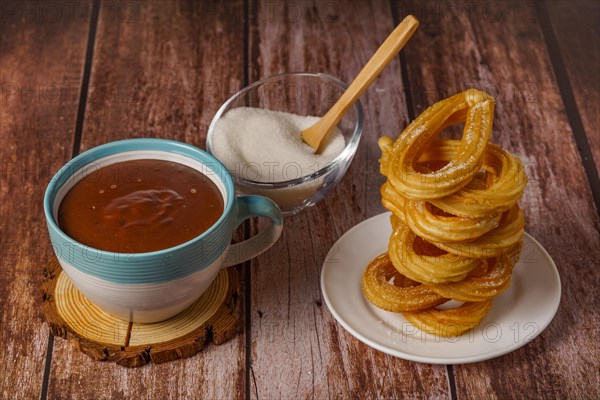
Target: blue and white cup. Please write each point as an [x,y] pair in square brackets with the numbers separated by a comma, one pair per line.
[154,286]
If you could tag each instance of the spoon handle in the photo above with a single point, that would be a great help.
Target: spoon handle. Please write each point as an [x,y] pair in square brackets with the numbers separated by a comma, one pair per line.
[382,57]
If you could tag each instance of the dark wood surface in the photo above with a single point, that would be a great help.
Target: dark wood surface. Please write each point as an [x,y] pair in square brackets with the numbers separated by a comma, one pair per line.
[577,31]
[41,67]
[161,69]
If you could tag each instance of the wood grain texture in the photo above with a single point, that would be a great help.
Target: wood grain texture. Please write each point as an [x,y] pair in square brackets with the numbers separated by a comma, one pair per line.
[504,54]
[577,30]
[298,349]
[213,318]
[160,69]
[38,108]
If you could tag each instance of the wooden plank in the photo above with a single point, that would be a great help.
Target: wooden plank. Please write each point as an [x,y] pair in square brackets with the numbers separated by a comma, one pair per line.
[42,52]
[160,69]
[504,53]
[298,349]
[577,32]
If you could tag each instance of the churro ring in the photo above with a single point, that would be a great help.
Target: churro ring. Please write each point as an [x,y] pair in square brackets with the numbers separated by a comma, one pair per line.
[509,181]
[474,210]
[494,243]
[393,201]
[449,322]
[426,268]
[493,280]
[473,107]
[401,295]
[436,227]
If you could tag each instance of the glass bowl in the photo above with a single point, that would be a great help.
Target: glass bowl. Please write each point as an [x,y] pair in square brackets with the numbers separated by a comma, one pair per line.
[299,93]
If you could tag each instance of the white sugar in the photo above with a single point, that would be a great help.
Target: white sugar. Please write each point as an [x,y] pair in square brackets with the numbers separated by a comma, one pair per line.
[266,146]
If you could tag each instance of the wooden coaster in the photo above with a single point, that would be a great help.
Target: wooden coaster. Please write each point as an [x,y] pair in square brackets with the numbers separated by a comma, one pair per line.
[214,316]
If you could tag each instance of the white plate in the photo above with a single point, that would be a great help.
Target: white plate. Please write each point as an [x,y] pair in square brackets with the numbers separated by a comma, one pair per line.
[517,316]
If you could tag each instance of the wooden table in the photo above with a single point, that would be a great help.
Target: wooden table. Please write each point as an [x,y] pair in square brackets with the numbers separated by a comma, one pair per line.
[75,75]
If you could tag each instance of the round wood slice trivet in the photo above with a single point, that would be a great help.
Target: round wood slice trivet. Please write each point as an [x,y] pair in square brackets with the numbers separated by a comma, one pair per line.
[105,338]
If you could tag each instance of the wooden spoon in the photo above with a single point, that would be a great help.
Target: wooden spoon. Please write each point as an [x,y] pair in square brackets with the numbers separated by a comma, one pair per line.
[315,134]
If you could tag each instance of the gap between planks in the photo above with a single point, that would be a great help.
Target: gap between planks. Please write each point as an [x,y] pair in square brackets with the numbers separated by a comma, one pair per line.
[568,98]
[82,103]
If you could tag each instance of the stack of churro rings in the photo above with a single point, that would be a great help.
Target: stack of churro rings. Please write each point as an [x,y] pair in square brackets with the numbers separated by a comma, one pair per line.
[457,227]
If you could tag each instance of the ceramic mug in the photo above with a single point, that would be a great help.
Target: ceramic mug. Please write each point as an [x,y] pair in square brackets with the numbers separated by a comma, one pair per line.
[154,286]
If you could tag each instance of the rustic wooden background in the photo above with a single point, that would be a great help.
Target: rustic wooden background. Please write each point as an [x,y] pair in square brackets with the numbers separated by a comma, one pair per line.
[75,75]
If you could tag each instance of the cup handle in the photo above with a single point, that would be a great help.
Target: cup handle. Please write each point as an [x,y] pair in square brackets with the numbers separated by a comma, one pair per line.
[255,206]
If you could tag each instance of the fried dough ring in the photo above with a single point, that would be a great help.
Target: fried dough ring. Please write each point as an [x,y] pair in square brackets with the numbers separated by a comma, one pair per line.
[416,301]
[472,106]
[421,219]
[480,287]
[426,269]
[393,201]
[402,295]
[506,189]
[432,226]
[494,243]
[507,233]
[449,322]
[486,203]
